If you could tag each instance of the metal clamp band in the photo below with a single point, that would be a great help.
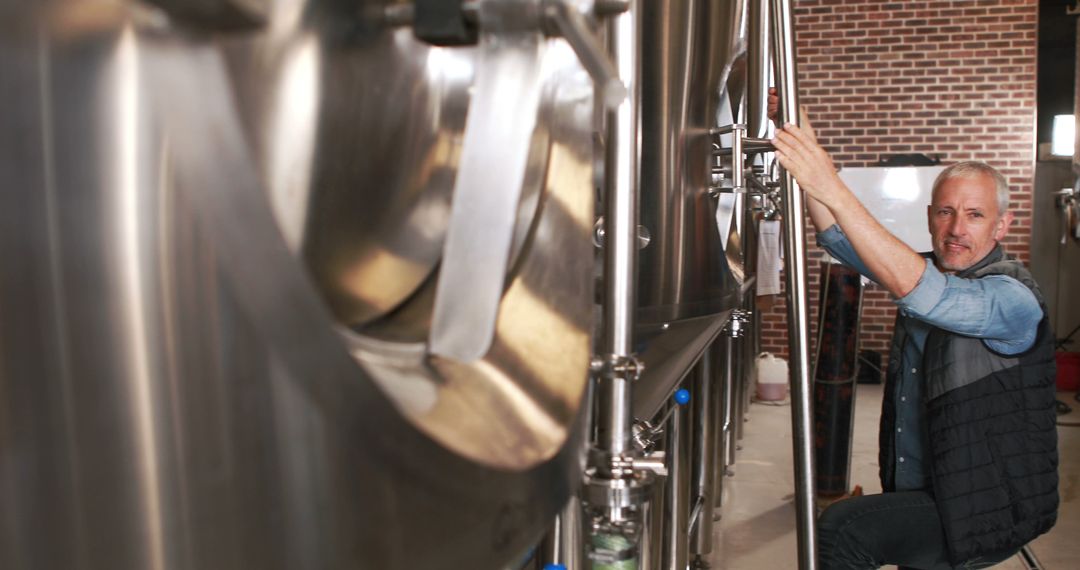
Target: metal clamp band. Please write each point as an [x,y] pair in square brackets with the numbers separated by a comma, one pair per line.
[618,366]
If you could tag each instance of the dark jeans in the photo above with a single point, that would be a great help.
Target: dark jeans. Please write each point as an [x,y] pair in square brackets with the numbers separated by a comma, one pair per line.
[903,528]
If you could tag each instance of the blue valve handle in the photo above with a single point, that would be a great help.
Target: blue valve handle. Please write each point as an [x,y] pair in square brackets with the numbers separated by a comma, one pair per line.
[682,396]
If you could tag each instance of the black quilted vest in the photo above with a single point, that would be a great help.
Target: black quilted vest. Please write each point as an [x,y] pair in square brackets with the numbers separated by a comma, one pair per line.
[992,430]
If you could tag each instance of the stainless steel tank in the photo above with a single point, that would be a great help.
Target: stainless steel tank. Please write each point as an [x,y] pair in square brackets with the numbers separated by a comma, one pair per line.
[221,226]
[692,81]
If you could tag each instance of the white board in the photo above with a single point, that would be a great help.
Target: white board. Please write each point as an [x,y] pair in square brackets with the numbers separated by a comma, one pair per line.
[897,197]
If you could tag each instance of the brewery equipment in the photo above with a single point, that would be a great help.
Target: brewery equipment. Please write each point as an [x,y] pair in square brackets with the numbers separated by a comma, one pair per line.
[322,284]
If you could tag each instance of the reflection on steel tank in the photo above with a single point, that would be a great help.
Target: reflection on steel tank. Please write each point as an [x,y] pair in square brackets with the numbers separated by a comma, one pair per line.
[228,219]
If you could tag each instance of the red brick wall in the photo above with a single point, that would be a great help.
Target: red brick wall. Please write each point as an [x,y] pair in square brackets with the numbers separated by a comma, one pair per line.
[954,79]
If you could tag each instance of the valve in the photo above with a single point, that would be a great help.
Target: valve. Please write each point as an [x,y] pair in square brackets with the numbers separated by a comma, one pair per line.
[646,434]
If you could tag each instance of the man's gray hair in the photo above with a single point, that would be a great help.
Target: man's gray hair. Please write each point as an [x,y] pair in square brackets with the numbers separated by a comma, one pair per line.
[971,169]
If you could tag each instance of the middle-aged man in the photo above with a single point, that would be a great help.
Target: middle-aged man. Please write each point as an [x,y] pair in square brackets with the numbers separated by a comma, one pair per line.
[968,443]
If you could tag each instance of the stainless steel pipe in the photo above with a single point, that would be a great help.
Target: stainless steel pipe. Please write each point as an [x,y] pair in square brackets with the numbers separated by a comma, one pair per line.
[674,549]
[757,71]
[720,358]
[563,544]
[795,275]
[728,426]
[704,454]
[620,247]
[739,393]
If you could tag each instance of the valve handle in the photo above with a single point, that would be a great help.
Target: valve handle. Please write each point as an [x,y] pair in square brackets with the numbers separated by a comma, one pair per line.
[682,396]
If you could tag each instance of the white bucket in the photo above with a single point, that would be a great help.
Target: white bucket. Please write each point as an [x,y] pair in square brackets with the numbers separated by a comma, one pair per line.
[772,377]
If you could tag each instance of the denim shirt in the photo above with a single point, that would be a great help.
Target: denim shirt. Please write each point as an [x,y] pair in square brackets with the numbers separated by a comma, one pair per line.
[996,308]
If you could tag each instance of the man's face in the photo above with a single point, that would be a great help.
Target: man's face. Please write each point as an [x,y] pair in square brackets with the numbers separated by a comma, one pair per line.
[965,224]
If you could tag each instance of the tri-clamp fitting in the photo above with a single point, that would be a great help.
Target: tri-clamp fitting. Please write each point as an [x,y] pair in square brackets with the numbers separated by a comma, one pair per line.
[618,366]
[613,497]
[617,489]
[737,325]
[741,147]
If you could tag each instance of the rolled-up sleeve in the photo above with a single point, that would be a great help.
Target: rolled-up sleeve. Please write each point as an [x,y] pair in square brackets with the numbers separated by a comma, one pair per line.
[834,241]
[996,308]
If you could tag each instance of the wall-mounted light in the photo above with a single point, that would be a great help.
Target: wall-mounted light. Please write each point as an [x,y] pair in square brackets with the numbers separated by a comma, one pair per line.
[1064,135]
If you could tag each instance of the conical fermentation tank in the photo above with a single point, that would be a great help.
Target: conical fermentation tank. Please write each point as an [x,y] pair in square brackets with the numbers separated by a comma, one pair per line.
[693,80]
[223,225]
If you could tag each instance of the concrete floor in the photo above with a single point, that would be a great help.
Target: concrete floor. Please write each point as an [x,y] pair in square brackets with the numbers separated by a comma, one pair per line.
[757,525]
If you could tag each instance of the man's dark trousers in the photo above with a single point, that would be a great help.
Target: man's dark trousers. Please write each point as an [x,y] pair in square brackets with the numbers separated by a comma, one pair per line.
[901,528]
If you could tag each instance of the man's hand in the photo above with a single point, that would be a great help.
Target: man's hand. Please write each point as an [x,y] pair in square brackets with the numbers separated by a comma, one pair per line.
[800,154]
[895,265]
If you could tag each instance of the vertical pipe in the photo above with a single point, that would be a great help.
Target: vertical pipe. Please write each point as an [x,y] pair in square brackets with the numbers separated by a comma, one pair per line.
[620,248]
[738,391]
[746,355]
[676,491]
[730,371]
[738,159]
[647,544]
[757,81]
[795,274]
[652,536]
[563,543]
[719,449]
[704,454]
[548,550]
[568,547]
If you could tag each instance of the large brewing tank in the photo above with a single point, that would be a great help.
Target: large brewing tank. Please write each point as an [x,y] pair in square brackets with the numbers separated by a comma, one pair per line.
[702,67]
[212,343]
[693,78]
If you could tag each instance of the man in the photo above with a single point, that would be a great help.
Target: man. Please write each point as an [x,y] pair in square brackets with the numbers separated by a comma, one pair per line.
[968,443]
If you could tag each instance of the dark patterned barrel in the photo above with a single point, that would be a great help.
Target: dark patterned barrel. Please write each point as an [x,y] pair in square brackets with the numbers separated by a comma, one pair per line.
[834,377]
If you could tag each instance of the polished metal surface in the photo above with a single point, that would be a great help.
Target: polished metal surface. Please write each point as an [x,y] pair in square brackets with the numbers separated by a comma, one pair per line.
[684,70]
[237,223]
[369,219]
[563,543]
[620,243]
[222,15]
[730,412]
[674,548]
[758,70]
[212,355]
[704,454]
[574,26]
[742,364]
[797,296]
[490,179]
[621,187]
[668,357]
[746,358]
[651,550]
[434,85]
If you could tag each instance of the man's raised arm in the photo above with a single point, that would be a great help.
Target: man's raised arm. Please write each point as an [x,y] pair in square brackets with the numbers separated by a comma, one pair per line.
[896,266]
